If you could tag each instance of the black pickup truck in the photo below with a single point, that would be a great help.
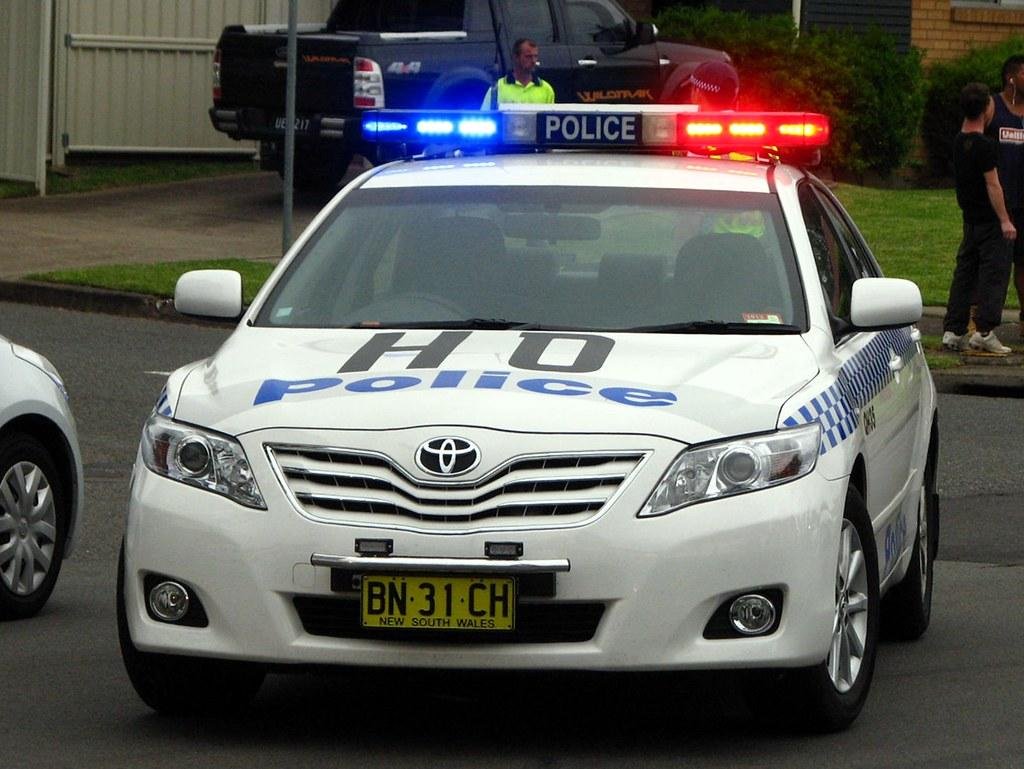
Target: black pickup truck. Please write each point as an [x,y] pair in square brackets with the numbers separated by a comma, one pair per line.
[429,54]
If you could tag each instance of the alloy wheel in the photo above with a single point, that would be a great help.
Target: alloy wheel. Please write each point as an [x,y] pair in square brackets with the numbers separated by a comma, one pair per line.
[923,561]
[850,627]
[28,528]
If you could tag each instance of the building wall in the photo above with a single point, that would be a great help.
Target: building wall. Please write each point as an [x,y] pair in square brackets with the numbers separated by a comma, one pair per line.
[945,29]
[894,16]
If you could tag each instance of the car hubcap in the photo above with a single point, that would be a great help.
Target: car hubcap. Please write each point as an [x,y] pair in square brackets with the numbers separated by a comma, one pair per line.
[28,528]
[922,544]
[850,629]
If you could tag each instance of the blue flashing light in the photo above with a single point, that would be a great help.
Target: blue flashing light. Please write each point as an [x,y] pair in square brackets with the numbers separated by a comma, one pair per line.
[478,128]
[384,126]
[435,127]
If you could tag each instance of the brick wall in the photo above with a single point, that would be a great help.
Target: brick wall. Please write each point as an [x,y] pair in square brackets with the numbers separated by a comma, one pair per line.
[944,29]
[638,9]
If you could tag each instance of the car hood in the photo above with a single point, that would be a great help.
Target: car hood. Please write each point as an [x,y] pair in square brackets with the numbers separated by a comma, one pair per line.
[688,387]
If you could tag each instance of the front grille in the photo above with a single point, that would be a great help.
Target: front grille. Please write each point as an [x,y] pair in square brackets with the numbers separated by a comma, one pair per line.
[367,486]
[554,622]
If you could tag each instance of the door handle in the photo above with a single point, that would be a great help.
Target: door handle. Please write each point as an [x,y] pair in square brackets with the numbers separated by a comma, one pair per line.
[896,362]
[587,62]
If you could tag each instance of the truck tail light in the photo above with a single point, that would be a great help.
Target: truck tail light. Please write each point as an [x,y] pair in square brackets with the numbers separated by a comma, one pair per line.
[368,84]
[216,76]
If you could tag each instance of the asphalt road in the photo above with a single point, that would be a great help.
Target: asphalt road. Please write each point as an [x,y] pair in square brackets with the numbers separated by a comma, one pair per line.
[951,700]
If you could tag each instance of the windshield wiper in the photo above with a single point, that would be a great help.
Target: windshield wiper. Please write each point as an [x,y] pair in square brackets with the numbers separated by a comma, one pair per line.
[484,324]
[716,327]
[498,323]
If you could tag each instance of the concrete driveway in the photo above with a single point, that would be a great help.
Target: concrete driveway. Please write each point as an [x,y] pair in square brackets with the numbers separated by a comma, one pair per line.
[231,216]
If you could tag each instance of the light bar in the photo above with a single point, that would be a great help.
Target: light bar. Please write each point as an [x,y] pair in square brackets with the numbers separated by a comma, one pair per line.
[428,126]
[750,130]
[629,127]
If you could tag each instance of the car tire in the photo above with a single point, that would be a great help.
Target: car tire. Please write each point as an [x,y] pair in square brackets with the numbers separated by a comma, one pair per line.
[33,525]
[828,697]
[176,685]
[907,607]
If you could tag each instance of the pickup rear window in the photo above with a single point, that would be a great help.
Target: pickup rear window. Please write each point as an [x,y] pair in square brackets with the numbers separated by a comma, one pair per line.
[398,15]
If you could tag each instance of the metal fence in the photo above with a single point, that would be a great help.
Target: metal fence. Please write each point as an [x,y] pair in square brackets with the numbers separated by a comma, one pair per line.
[135,75]
[24,96]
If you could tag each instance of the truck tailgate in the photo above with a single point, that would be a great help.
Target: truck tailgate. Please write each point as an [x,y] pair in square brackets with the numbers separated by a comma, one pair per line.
[254,71]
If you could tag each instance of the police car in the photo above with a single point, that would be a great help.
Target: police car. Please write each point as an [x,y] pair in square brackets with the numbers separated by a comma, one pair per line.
[41,492]
[584,394]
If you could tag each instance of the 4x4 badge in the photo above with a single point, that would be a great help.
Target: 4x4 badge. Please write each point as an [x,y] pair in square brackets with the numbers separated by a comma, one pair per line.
[447,456]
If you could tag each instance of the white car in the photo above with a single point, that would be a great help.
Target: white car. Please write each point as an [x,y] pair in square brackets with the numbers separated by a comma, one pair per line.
[608,410]
[41,494]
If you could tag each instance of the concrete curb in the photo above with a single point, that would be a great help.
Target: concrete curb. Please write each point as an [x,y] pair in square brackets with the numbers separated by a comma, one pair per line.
[996,376]
[87,299]
[954,380]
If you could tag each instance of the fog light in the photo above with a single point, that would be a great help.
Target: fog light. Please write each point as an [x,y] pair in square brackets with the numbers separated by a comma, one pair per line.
[752,614]
[169,601]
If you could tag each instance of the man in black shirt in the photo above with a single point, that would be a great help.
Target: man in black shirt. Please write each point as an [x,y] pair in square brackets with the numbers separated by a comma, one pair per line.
[984,258]
[1007,128]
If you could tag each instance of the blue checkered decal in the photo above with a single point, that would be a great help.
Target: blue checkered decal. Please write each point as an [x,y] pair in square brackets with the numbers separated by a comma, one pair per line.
[163,405]
[860,379]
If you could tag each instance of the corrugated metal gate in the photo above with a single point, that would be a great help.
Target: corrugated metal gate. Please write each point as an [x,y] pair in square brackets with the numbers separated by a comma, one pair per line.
[134,76]
[24,97]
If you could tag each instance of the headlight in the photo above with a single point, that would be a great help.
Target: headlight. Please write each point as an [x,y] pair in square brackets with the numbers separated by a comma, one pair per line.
[734,467]
[200,458]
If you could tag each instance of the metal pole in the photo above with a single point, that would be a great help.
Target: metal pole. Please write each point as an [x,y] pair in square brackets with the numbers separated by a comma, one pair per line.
[43,102]
[289,129]
[797,12]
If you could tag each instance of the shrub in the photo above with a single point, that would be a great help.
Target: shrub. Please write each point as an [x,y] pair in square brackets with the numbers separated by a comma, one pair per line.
[871,92]
[942,97]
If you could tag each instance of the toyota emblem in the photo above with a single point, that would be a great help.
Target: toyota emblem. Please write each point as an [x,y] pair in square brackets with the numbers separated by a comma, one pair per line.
[447,456]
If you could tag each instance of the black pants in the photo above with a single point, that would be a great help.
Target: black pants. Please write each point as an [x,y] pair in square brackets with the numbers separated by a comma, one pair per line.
[982,270]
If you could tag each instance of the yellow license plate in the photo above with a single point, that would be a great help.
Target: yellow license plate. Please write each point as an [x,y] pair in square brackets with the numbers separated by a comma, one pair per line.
[439,603]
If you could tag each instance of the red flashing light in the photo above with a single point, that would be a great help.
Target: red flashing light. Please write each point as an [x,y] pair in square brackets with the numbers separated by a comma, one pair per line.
[750,130]
[704,128]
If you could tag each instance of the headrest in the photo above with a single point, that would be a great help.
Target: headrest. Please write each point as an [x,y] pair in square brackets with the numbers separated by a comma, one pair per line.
[720,251]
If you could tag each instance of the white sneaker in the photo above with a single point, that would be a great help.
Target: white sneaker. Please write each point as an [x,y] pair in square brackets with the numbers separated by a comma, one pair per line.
[954,342]
[988,343]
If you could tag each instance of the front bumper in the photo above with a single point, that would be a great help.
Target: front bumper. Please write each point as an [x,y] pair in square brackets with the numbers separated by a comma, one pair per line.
[658,580]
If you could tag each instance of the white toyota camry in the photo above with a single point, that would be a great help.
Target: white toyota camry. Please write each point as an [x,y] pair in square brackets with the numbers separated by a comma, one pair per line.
[631,406]
[41,491]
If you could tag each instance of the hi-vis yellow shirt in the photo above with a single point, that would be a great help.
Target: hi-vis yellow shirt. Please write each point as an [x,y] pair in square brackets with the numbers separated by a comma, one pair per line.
[511,91]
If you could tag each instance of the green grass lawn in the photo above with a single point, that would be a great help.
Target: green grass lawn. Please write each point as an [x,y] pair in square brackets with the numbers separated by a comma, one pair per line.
[914,234]
[87,177]
[158,279]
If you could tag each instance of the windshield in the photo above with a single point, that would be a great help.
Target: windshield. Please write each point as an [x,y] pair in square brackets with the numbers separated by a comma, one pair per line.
[545,257]
[398,15]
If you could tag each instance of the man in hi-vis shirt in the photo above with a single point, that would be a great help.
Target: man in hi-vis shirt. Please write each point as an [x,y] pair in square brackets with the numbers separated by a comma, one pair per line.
[521,85]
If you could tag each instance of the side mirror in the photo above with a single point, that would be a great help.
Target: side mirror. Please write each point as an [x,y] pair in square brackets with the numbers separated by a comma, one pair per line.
[878,303]
[646,33]
[209,294]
